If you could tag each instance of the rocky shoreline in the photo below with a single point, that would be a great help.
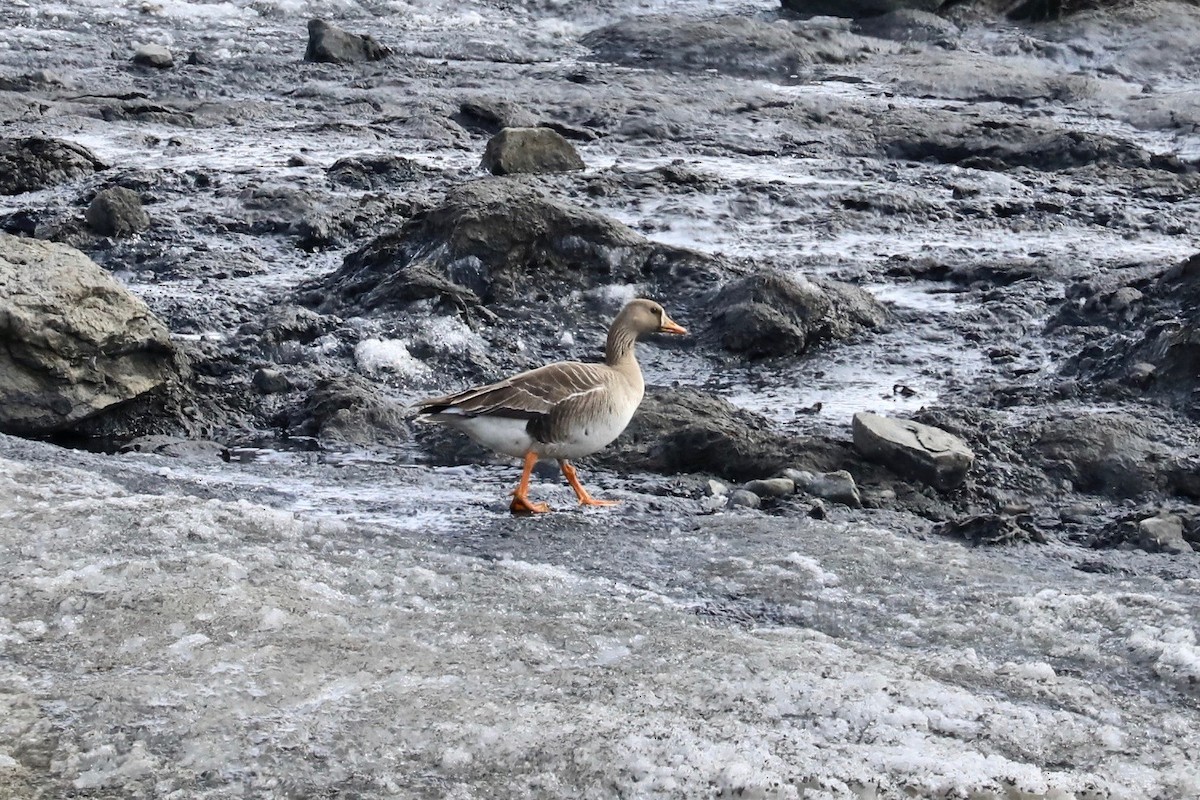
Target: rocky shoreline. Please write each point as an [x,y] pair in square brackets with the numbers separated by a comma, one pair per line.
[1082,394]
[941,268]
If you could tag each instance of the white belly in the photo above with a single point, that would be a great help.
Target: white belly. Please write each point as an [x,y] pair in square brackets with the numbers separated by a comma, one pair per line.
[507,436]
[587,438]
[510,437]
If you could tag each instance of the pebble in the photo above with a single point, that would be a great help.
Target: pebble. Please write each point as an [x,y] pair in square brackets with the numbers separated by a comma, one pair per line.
[838,487]
[714,488]
[271,381]
[154,55]
[771,487]
[744,498]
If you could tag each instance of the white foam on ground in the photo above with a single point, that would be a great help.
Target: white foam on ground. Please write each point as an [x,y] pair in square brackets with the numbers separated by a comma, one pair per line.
[268,648]
[376,356]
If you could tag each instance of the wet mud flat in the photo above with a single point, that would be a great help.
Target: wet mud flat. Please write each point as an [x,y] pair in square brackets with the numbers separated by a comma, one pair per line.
[979,223]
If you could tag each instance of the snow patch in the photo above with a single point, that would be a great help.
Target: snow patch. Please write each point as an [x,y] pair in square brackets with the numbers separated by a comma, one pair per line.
[376,356]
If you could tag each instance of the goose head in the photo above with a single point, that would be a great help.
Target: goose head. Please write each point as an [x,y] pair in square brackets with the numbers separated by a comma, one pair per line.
[642,316]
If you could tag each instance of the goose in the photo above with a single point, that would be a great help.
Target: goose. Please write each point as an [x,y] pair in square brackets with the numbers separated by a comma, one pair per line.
[563,410]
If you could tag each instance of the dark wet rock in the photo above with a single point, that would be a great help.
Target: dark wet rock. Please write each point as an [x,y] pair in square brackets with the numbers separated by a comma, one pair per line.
[1115,453]
[285,330]
[191,450]
[1163,533]
[514,150]
[77,342]
[742,46]
[685,430]
[1002,145]
[744,498]
[1145,337]
[838,487]
[989,529]
[117,212]
[35,163]
[374,171]
[769,314]
[857,8]
[912,450]
[908,25]
[348,410]
[500,240]
[270,381]
[36,81]
[491,115]
[153,55]
[771,487]
[330,44]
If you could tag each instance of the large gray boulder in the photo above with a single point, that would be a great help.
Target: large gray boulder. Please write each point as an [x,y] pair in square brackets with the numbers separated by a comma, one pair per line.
[74,341]
[33,162]
[770,314]
[515,150]
[500,240]
[330,44]
[913,450]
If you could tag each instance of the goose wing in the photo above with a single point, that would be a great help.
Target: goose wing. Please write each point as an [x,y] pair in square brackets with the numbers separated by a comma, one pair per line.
[552,391]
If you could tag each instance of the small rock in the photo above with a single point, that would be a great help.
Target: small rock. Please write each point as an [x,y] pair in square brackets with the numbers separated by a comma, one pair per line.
[514,150]
[271,381]
[153,55]
[744,499]
[713,503]
[913,450]
[715,488]
[991,529]
[836,486]
[1140,374]
[117,212]
[330,44]
[1077,513]
[1163,533]
[191,450]
[817,510]
[908,25]
[771,487]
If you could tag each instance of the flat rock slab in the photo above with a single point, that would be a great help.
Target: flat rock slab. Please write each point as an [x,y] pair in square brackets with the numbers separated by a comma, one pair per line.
[913,450]
[76,341]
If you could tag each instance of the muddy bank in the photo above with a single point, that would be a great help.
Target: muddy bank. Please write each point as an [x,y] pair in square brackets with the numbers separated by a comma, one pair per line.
[958,217]
[984,184]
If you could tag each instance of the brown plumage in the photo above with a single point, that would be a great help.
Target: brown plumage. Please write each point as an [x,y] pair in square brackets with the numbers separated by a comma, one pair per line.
[563,410]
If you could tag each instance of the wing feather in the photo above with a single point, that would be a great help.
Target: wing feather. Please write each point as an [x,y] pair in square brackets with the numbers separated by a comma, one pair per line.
[537,395]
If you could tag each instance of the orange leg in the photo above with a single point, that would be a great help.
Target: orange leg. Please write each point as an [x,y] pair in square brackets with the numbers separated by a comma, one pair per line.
[585,499]
[520,502]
